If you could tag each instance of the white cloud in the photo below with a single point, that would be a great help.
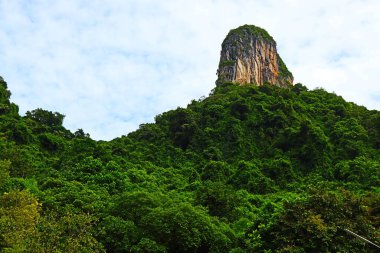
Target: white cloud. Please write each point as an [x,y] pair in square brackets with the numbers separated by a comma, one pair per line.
[112,65]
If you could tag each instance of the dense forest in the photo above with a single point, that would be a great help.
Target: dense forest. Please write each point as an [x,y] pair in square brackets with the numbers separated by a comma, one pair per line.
[246,169]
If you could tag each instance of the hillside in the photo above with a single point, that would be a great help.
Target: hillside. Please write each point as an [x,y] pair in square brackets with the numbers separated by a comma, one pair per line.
[247,169]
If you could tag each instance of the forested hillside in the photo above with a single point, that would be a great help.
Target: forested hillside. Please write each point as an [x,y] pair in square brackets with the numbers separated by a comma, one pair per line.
[246,169]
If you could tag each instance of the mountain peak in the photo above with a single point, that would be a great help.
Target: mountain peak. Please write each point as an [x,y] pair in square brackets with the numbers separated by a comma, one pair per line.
[249,55]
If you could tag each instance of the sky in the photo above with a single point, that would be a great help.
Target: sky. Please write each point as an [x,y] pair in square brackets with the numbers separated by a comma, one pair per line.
[110,66]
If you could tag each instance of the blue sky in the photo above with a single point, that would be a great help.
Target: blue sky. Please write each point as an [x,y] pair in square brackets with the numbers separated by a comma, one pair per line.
[112,65]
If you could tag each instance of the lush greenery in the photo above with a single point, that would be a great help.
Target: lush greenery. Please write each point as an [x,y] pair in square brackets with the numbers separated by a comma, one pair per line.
[283,71]
[247,169]
[227,63]
[258,32]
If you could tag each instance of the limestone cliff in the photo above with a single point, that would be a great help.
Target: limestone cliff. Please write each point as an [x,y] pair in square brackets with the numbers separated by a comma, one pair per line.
[249,55]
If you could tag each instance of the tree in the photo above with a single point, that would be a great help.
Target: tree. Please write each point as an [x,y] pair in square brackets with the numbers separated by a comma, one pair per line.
[118,235]
[47,118]
[220,199]
[4,172]
[184,228]
[19,214]
[5,94]
[317,223]
[216,171]
[67,232]
[248,176]
[182,126]
[350,138]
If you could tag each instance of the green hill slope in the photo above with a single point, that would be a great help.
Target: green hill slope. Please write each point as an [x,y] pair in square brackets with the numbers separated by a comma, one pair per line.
[247,169]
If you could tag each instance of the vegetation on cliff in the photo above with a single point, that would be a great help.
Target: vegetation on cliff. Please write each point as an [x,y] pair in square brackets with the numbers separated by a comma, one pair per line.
[245,31]
[247,169]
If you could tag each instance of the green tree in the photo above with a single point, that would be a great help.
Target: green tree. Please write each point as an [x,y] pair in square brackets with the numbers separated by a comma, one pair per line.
[117,234]
[220,199]
[350,138]
[249,176]
[52,119]
[69,232]
[19,214]
[317,223]
[4,172]
[184,228]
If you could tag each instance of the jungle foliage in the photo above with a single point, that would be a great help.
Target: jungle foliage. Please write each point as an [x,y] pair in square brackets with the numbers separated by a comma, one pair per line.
[247,169]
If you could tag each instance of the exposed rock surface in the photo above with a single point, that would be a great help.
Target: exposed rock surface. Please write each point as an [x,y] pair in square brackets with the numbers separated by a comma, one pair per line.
[249,55]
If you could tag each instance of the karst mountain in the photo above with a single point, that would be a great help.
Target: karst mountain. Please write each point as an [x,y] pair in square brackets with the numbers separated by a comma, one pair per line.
[259,165]
[249,55]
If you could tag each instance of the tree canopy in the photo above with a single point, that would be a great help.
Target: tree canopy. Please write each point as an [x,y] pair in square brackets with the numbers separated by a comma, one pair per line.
[246,169]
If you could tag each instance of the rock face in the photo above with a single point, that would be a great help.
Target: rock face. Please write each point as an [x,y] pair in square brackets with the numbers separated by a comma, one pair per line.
[249,55]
